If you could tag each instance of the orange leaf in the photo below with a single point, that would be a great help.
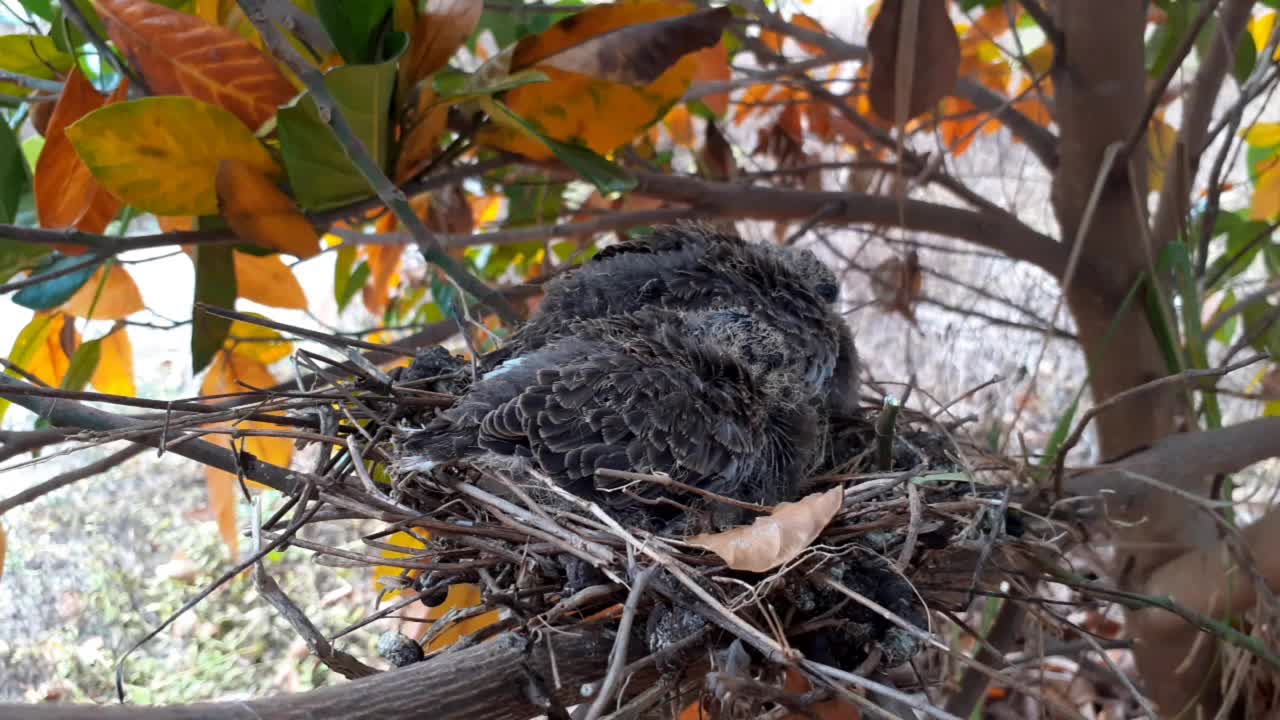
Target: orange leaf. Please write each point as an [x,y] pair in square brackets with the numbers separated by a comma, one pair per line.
[776,538]
[267,280]
[897,282]
[260,213]
[52,356]
[114,374]
[421,141]
[181,54]
[114,290]
[234,373]
[64,187]
[440,29]
[713,66]
[958,134]
[384,264]
[461,597]
[223,488]
[680,125]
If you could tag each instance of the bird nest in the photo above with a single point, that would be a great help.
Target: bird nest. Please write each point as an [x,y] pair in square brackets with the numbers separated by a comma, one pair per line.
[842,588]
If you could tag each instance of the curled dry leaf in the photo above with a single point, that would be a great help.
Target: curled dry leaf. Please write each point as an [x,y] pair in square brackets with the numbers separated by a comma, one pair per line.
[598,104]
[181,54]
[897,283]
[936,61]
[260,213]
[776,538]
[438,32]
[635,54]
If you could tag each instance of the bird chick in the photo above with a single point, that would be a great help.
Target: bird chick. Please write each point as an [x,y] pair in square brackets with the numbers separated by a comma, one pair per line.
[689,267]
[706,397]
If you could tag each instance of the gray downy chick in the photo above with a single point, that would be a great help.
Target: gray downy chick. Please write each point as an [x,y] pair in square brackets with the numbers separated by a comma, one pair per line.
[690,267]
[706,397]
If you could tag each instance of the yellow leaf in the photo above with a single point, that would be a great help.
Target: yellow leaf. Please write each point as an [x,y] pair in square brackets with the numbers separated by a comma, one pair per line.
[1260,27]
[267,280]
[1161,139]
[572,107]
[413,545]
[439,30]
[257,343]
[115,293]
[461,597]
[114,374]
[161,154]
[1266,192]
[1262,135]
[776,538]
[41,349]
[260,213]
[486,209]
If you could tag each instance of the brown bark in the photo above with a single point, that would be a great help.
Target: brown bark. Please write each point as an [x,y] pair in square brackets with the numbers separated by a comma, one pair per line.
[489,681]
[1101,98]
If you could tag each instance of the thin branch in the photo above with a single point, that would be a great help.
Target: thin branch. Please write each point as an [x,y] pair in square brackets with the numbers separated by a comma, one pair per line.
[1175,65]
[1196,115]
[618,658]
[76,16]
[73,414]
[33,83]
[72,476]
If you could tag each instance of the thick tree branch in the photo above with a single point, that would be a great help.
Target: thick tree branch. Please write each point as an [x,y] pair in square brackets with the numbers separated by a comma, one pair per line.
[716,199]
[506,678]
[1148,492]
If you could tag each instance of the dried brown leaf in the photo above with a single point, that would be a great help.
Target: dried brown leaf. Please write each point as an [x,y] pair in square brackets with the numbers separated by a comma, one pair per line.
[936,63]
[776,538]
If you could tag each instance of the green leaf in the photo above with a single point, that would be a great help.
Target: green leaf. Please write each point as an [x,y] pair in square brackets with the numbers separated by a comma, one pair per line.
[510,25]
[15,180]
[452,85]
[1228,329]
[57,290]
[348,277]
[16,257]
[320,172]
[66,35]
[42,9]
[215,286]
[84,361]
[607,177]
[355,27]
[36,56]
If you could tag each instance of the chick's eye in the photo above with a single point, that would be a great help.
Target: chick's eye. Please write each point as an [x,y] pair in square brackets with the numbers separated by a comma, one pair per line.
[828,291]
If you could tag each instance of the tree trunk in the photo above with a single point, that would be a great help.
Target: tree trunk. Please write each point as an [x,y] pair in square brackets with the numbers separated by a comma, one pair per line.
[1101,92]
